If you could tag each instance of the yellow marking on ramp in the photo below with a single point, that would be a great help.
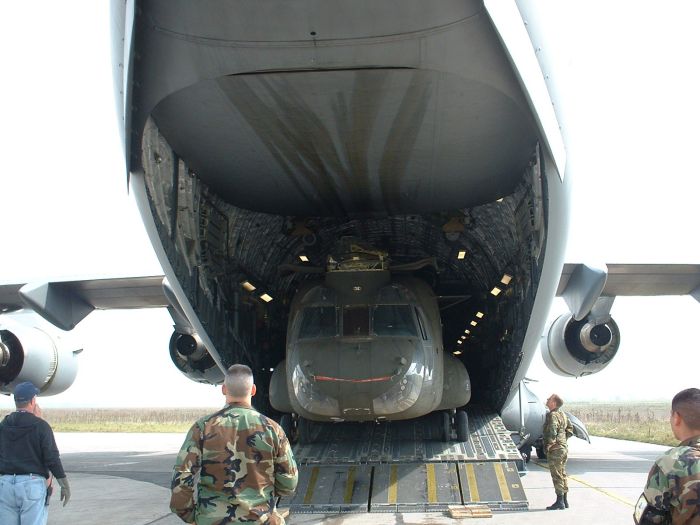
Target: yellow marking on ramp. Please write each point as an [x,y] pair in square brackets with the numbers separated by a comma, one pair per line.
[471,481]
[393,487]
[312,485]
[502,484]
[602,491]
[432,487]
[349,485]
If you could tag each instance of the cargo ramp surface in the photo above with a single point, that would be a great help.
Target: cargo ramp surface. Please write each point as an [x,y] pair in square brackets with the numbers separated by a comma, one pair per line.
[400,467]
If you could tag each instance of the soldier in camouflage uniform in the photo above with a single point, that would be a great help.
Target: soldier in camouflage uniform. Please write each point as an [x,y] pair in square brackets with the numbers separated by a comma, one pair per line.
[672,492]
[240,461]
[557,429]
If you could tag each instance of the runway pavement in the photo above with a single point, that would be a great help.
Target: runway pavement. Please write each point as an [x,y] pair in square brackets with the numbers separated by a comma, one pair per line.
[123,479]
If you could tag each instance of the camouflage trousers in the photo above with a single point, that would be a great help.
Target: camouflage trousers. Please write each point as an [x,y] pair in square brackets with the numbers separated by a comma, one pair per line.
[556,459]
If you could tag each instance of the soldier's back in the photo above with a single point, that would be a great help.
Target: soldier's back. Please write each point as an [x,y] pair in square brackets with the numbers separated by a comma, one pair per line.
[238,463]
[675,477]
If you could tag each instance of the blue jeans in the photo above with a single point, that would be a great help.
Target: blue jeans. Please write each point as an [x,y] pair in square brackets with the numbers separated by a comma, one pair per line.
[22,498]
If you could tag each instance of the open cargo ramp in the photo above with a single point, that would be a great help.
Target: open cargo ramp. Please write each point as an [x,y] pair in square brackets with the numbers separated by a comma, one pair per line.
[398,468]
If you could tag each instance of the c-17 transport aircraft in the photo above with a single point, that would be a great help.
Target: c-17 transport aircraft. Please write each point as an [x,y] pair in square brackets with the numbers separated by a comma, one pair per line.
[367,203]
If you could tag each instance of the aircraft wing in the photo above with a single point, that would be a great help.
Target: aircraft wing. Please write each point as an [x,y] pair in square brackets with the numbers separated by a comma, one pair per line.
[643,279]
[66,303]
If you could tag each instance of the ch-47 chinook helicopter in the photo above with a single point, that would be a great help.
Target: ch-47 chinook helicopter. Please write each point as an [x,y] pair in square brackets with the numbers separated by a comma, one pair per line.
[367,203]
[365,344]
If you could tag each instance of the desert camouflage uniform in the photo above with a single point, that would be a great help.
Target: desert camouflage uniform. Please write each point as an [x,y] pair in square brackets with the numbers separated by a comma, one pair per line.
[557,429]
[674,485]
[244,462]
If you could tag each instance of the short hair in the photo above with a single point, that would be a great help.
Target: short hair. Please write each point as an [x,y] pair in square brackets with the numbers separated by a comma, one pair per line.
[686,403]
[23,404]
[557,400]
[238,381]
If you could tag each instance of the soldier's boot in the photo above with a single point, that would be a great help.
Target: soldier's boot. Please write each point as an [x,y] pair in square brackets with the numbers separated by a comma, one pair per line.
[566,501]
[557,505]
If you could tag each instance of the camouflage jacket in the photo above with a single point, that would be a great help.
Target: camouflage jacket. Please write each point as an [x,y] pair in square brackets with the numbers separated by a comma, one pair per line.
[674,483]
[557,428]
[240,460]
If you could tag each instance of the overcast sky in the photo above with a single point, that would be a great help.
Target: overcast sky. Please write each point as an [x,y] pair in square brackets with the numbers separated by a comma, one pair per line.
[629,73]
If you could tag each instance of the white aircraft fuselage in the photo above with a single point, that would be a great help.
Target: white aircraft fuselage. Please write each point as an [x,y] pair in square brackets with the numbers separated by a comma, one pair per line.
[267,142]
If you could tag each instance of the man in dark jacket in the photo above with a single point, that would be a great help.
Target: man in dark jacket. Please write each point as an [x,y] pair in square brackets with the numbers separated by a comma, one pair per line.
[28,453]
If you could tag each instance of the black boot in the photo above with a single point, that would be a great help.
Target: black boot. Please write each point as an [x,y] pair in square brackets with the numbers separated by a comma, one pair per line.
[566,501]
[557,505]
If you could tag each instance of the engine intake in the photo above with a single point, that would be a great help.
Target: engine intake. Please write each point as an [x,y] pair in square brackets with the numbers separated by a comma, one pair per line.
[190,356]
[578,348]
[30,353]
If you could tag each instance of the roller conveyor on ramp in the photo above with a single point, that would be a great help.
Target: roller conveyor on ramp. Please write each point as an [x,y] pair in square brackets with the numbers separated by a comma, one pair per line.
[397,467]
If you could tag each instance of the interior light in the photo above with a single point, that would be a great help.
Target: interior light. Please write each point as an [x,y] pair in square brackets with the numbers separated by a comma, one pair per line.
[463,337]
[506,279]
[461,254]
[459,341]
[457,352]
[473,323]
[265,297]
[496,290]
[467,332]
[499,200]
[304,258]
[357,288]
[248,286]
[480,314]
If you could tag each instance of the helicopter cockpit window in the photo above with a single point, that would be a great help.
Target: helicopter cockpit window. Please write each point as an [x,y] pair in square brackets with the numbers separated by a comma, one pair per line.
[355,321]
[318,321]
[393,320]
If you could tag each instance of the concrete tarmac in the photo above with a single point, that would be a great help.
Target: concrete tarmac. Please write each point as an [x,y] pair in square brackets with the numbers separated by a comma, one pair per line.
[123,479]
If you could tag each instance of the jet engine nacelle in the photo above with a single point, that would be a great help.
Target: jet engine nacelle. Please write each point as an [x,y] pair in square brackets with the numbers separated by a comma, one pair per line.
[191,357]
[578,348]
[31,351]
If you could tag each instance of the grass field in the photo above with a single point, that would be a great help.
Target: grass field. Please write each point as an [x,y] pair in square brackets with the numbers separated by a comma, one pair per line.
[123,419]
[637,421]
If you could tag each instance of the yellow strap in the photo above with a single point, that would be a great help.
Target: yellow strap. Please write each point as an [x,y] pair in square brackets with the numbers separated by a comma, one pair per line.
[393,487]
[312,484]
[502,484]
[471,481]
[432,486]
[349,485]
